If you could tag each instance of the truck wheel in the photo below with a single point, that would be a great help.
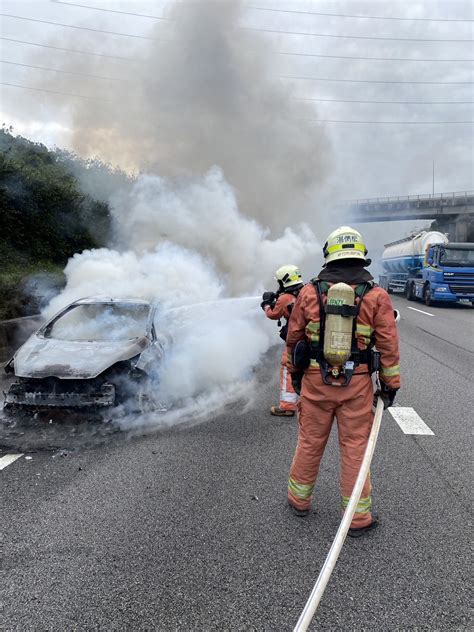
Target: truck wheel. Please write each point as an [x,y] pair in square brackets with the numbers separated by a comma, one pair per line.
[428,296]
[410,292]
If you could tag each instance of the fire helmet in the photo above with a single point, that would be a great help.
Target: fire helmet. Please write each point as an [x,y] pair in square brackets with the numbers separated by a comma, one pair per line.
[288,276]
[344,243]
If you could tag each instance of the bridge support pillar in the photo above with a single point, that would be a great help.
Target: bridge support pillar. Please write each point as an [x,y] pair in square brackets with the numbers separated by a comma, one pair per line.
[461,228]
[458,228]
[449,228]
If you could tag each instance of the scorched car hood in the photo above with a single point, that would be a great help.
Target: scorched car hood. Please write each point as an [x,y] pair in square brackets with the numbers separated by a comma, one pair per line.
[47,357]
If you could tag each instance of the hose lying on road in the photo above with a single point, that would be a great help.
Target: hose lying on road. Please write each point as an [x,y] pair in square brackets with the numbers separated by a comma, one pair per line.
[331,559]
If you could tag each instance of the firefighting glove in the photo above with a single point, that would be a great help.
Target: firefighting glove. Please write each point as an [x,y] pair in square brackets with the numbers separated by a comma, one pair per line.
[387,394]
[296,380]
[268,298]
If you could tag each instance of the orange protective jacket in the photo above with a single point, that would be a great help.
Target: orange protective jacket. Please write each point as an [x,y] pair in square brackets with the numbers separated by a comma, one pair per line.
[375,322]
[280,309]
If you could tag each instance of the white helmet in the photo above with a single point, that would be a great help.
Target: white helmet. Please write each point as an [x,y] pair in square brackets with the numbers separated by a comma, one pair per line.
[288,276]
[344,243]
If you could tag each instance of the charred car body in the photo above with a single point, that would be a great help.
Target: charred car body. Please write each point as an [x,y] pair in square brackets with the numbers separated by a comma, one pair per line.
[96,352]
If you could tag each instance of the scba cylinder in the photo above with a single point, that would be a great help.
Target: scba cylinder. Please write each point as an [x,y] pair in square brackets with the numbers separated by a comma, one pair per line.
[338,329]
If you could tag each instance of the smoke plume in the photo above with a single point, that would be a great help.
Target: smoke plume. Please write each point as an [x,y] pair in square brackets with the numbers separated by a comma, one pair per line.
[203,91]
[184,244]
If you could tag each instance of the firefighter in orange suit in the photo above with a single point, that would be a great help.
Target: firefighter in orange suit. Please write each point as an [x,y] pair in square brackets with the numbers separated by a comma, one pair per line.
[278,306]
[345,392]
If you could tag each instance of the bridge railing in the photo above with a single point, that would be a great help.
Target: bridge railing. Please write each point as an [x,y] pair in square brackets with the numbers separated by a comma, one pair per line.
[412,198]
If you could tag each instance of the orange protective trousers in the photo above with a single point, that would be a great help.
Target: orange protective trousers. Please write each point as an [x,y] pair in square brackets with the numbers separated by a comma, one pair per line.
[318,405]
[288,397]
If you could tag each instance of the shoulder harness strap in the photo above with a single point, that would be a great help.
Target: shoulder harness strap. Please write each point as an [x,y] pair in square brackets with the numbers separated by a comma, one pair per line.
[360,292]
[320,287]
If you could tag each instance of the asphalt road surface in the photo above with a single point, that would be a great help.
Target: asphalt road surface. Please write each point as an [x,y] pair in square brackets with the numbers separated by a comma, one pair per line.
[187,528]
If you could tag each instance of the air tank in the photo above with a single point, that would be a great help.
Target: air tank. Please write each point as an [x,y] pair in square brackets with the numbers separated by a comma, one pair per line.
[338,329]
[408,254]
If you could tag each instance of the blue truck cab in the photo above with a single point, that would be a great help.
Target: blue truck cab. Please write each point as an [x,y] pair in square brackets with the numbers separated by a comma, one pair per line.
[447,275]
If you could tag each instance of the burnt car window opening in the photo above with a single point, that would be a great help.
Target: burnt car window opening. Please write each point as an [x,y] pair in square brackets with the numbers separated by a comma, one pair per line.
[457,257]
[100,322]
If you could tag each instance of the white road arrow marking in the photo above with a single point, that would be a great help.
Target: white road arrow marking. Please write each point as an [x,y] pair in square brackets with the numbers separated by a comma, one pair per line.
[420,310]
[8,459]
[409,421]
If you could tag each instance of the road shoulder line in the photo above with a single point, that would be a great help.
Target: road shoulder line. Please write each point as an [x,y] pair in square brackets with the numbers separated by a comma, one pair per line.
[415,309]
[409,421]
[8,459]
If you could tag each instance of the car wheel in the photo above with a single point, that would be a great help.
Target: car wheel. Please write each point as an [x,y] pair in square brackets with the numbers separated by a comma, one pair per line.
[410,292]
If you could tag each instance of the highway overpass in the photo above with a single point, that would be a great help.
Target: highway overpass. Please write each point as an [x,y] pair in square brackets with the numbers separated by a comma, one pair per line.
[454,210]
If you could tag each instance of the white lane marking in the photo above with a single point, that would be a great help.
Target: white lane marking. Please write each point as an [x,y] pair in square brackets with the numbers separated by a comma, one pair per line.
[420,310]
[409,421]
[8,459]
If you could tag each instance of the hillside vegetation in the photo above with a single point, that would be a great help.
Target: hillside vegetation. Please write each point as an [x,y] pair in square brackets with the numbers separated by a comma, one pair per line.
[46,216]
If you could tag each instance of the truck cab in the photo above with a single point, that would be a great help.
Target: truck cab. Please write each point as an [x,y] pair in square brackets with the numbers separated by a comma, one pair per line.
[447,274]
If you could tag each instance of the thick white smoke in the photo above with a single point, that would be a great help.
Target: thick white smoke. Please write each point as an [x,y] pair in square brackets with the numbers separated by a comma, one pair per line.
[183,243]
[201,214]
[168,274]
[215,347]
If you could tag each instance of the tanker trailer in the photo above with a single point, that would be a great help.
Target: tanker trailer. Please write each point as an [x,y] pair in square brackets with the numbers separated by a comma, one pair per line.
[427,267]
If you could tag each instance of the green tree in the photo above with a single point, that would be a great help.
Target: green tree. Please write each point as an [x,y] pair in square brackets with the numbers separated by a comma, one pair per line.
[45,215]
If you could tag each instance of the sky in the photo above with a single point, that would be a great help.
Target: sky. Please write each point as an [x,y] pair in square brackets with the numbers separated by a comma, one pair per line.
[390,153]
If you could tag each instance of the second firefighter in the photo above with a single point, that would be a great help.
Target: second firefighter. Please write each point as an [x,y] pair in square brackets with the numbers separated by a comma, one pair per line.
[278,306]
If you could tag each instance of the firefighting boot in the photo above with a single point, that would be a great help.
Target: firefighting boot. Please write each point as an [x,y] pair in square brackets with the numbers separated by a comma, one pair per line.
[279,412]
[301,513]
[356,533]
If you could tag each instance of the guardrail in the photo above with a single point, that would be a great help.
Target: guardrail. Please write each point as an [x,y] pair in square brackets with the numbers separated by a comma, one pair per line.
[412,198]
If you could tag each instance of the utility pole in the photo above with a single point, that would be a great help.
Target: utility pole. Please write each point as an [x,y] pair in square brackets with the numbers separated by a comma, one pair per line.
[433,179]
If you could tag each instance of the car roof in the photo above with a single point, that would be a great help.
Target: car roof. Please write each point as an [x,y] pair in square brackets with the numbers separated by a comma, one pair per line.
[109,299]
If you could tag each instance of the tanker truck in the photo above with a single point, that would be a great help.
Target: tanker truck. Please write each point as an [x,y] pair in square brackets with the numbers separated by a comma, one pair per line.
[430,268]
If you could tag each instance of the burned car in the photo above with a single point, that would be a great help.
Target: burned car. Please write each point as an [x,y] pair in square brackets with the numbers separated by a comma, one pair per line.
[96,352]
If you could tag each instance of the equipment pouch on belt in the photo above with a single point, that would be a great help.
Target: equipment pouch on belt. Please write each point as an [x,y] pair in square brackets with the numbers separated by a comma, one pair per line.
[284,329]
[301,355]
[374,361]
[284,332]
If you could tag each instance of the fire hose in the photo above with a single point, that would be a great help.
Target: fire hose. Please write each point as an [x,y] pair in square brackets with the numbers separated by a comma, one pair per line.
[331,559]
